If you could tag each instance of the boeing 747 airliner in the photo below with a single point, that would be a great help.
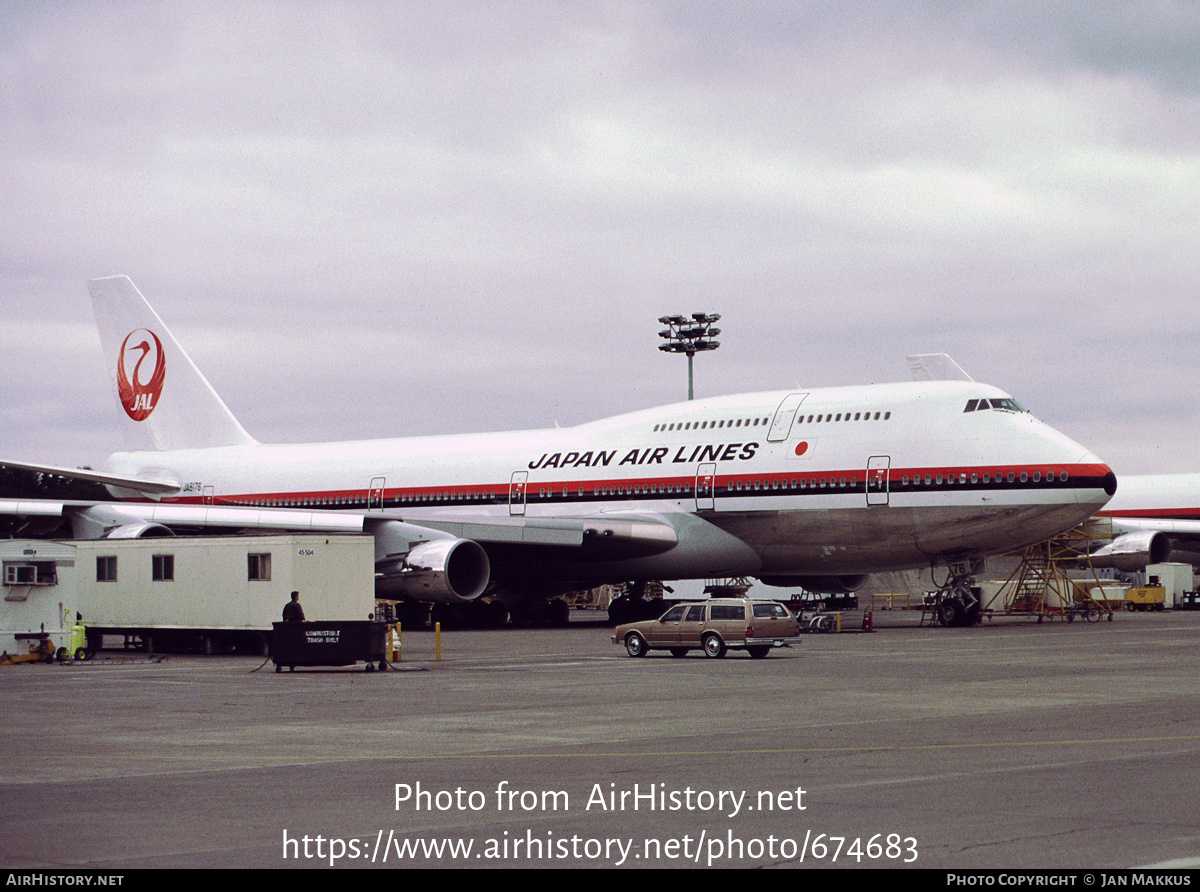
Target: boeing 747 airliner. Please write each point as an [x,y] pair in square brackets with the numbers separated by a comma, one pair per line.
[816,488]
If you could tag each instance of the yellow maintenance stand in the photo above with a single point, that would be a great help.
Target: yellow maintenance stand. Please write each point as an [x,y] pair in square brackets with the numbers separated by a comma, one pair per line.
[1040,586]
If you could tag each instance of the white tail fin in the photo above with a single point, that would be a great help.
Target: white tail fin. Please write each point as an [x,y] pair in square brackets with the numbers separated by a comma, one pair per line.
[164,402]
[936,367]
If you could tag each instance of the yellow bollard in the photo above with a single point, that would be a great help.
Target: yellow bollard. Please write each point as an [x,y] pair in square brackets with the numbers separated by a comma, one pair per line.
[437,637]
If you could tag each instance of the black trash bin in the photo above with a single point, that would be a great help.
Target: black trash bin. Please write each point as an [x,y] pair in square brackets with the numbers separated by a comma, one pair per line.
[334,643]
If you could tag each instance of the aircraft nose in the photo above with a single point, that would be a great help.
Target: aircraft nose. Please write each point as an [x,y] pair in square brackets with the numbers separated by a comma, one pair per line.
[1104,476]
[1110,482]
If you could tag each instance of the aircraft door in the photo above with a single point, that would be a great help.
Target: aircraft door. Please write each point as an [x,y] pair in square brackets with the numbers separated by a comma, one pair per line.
[375,494]
[877,479]
[706,476]
[516,492]
[781,426]
[207,495]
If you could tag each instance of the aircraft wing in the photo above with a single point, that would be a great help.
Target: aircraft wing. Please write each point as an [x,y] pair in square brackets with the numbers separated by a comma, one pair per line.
[620,532]
[114,515]
[155,487]
[638,532]
[1154,518]
[31,508]
[442,558]
[1176,530]
[1138,541]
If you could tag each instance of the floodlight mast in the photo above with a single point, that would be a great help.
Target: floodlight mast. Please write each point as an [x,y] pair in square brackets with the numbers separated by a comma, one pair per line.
[689,335]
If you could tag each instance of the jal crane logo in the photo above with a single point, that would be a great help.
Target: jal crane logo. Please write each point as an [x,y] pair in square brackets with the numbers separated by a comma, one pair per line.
[141,368]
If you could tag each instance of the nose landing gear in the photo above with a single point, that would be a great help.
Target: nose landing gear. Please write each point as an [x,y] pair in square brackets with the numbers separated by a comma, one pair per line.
[957,600]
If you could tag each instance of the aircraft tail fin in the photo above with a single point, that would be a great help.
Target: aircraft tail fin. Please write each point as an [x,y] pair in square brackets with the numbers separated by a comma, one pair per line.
[164,401]
[936,367]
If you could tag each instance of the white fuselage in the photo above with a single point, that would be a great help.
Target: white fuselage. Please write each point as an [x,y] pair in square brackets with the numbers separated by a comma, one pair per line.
[1156,496]
[832,481]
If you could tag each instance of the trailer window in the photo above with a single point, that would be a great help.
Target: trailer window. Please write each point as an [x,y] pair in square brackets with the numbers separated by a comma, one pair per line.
[162,567]
[106,569]
[259,567]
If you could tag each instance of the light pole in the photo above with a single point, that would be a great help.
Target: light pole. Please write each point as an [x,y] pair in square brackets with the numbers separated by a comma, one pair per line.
[691,336]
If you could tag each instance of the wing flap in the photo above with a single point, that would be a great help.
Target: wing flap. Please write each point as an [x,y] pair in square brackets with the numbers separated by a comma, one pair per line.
[110,514]
[31,508]
[643,530]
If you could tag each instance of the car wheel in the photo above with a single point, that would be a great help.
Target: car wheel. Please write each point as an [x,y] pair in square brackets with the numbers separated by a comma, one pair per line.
[759,651]
[679,651]
[713,646]
[635,645]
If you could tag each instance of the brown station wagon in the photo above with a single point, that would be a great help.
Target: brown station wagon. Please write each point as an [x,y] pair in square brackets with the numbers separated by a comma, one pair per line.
[712,626]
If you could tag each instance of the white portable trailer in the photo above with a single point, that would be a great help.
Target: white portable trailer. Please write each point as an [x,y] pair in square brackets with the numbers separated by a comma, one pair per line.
[219,593]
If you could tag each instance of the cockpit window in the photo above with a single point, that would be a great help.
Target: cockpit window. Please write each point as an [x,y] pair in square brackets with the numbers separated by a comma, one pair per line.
[1008,404]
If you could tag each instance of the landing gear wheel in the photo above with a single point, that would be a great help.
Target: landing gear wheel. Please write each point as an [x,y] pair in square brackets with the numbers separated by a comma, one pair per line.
[635,645]
[759,651]
[713,646]
[950,612]
[559,613]
[679,651]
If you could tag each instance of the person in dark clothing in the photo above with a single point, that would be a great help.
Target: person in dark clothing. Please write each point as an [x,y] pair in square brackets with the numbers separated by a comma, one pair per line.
[292,611]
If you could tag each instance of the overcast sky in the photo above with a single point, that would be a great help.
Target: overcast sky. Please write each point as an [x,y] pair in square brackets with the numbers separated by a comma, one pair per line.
[378,219]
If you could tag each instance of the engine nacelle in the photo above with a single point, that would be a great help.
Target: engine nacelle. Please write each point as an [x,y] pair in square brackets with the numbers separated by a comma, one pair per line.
[148,530]
[449,570]
[1133,551]
[832,585]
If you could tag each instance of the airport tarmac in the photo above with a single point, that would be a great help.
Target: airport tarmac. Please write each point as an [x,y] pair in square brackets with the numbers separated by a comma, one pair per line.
[1009,745]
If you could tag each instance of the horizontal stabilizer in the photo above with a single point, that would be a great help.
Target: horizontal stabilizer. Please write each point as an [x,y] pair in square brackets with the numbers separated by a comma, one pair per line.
[159,487]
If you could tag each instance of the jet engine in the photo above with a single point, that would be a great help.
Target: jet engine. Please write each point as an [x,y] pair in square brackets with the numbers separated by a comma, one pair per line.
[1132,551]
[834,585]
[441,570]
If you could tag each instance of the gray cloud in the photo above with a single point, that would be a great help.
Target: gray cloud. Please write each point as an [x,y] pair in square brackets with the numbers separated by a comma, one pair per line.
[374,219]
